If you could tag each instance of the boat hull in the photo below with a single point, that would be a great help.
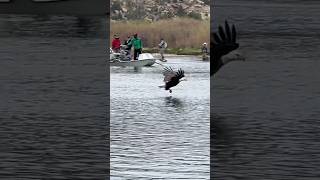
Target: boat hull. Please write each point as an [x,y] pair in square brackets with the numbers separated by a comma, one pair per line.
[144,59]
[65,7]
[137,63]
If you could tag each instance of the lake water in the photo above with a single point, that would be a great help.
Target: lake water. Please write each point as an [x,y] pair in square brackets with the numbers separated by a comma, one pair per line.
[53,97]
[265,114]
[155,134]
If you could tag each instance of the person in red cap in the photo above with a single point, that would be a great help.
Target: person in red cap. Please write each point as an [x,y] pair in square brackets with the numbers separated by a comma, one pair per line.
[116,44]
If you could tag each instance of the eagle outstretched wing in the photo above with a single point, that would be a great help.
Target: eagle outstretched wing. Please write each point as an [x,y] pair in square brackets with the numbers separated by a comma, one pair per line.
[170,75]
[222,43]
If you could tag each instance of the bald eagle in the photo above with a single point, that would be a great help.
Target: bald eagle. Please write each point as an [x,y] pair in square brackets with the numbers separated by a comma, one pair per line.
[172,78]
[223,46]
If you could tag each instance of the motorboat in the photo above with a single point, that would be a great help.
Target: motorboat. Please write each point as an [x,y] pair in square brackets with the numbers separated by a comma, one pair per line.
[124,59]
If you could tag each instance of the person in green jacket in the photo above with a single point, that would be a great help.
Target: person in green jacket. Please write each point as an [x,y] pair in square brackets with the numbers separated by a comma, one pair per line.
[137,45]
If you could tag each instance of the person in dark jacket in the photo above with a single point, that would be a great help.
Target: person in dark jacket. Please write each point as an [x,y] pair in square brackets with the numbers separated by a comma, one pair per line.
[128,46]
[128,43]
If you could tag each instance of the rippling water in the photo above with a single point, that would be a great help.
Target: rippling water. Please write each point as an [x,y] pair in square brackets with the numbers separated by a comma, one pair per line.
[265,115]
[155,134]
[52,97]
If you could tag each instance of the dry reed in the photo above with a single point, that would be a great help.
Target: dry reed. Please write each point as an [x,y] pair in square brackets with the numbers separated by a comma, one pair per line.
[178,33]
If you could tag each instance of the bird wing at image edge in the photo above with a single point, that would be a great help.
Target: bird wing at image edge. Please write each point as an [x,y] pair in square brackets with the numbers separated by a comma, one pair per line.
[224,41]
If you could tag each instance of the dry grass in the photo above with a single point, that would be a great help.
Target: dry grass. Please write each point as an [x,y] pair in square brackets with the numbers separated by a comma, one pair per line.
[178,33]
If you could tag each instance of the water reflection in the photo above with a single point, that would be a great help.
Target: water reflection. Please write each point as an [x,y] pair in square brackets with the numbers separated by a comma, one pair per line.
[173,102]
[221,137]
[219,127]
[137,69]
[48,25]
[53,98]
[44,17]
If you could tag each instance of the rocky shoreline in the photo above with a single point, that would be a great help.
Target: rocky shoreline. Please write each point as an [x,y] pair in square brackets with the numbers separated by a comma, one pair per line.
[163,9]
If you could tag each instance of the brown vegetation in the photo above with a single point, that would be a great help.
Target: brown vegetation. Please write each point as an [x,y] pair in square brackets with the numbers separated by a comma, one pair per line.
[178,33]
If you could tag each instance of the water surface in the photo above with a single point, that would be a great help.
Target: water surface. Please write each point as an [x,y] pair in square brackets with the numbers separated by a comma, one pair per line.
[265,115]
[53,97]
[155,134]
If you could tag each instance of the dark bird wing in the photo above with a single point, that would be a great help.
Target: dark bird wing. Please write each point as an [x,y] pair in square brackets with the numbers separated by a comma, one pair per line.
[222,43]
[179,74]
[170,75]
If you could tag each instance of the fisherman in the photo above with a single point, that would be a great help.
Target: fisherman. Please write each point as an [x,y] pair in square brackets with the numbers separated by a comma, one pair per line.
[204,48]
[128,43]
[162,47]
[116,44]
[137,46]
[128,46]
[205,52]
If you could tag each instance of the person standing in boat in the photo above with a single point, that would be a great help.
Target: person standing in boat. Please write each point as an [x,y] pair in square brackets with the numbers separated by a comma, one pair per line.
[128,44]
[116,44]
[137,46]
[162,47]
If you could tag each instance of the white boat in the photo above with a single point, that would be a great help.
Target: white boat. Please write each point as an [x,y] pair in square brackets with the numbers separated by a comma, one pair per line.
[68,7]
[119,59]
[133,63]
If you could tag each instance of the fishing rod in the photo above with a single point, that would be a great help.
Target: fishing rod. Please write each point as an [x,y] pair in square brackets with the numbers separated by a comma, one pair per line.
[161,63]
